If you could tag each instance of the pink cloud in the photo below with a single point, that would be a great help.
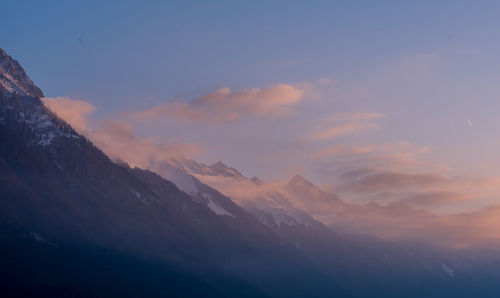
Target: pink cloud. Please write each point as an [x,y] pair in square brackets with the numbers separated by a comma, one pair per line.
[342,117]
[376,181]
[434,198]
[117,138]
[343,150]
[224,105]
[75,112]
[366,170]
[342,129]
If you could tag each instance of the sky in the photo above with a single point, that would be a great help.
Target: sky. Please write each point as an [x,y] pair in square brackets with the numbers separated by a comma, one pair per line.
[375,100]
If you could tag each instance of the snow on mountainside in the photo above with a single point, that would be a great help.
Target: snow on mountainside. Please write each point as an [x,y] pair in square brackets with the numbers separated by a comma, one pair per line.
[198,180]
[271,208]
[179,177]
[20,104]
[217,169]
[62,190]
[13,79]
[189,184]
[269,211]
[299,202]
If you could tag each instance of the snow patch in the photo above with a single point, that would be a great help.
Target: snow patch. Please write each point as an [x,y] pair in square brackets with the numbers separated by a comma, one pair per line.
[138,195]
[274,214]
[46,127]
[181,179]
[218,209]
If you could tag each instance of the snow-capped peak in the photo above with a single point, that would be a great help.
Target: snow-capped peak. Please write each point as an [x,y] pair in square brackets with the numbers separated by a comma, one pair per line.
[217,169]
[221,169]
[13,79]
[257,180]
[21,106]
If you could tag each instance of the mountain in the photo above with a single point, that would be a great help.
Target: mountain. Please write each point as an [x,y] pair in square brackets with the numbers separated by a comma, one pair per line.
[69,216]
[217,169]
[74,223]
[385,268]
[297,202]
[13,79]
[393,220]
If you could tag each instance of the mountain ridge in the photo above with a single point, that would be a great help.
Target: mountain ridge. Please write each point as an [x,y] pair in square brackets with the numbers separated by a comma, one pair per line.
[68,213]
[14,80]
[68,193]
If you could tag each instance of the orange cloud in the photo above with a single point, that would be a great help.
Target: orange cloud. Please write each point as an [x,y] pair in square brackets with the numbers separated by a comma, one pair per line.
[117,138]
[341,117]
[343,150]
[429,199]
[399,150]
[349,123]
[377,181]
[394,173]
[224,105]
[375,170]
[73,111]
[342,129]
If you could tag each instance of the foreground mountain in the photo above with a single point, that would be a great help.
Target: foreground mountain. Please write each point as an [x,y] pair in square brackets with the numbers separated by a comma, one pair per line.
[70,216]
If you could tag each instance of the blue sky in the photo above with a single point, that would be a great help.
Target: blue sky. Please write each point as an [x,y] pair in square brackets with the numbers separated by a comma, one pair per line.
[426,67]
[113,52]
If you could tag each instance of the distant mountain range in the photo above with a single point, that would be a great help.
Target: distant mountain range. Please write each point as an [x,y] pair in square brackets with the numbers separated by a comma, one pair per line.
[74,223]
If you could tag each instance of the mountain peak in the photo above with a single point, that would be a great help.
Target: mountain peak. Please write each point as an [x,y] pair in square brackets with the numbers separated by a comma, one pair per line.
[13,79]
[219,164]
[221,169]
[298,180]
[257,180]
[22,110]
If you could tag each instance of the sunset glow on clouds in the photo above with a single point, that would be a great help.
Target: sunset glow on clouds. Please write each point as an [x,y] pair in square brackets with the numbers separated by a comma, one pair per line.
[250,148]
[75,112]
[224,105]
[358,171]
[341,129]
[390,173]
[379,139]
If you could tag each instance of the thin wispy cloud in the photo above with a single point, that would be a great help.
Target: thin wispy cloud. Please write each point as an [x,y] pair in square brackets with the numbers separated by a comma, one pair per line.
[360,172]
[360,150]
[342,130]
[371,181]
[226,106]
[397,173]
[389,173]
[343,117]
[436,198]
[341,124]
